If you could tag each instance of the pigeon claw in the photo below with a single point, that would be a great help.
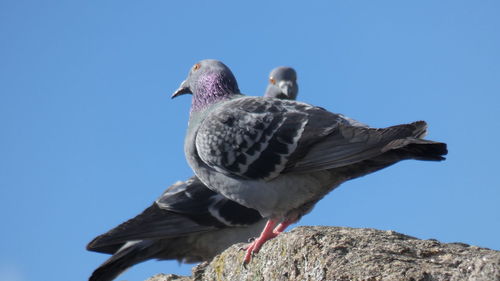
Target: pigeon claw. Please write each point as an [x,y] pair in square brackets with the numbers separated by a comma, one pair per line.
[248,255]
[270,231]
[267,233]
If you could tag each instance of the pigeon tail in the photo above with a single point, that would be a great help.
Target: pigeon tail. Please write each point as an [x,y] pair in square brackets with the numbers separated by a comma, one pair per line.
[416,147]
[425,150]
[129,255]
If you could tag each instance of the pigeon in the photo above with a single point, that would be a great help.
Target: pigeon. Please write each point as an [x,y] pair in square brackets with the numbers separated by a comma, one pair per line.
[189,222]
[282,83]
[280,157]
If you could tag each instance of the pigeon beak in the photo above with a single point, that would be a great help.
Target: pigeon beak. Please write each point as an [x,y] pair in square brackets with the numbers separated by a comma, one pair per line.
[183,89]
[285,87]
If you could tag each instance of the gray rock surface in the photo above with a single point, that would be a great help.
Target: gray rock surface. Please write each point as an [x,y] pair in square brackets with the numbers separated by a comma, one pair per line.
[169,277]
[339,253]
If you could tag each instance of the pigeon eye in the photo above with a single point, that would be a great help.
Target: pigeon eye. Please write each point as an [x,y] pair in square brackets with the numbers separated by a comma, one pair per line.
[196,66]
[272,81]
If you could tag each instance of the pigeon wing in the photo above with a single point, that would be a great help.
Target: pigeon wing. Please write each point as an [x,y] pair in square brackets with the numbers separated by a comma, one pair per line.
[347,145]
[193,199]
[259,138]
[153,223]
[255,138]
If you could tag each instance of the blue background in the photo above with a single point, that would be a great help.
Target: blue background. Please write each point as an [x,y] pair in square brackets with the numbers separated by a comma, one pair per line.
[90,137]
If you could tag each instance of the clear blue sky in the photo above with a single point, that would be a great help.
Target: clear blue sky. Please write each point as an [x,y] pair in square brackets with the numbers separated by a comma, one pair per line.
[90,137]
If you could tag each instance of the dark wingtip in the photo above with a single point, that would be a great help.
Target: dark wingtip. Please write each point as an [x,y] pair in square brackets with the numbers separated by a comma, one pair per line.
[94,244]
[121,261]
[97,245]
[90,246]
[420,129]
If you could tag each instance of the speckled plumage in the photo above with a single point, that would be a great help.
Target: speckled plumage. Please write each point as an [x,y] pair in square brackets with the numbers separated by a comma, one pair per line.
[227,148]
[188,222]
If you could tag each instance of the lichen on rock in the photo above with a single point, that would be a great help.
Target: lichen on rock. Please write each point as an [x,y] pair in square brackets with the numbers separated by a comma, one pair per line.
[340,253]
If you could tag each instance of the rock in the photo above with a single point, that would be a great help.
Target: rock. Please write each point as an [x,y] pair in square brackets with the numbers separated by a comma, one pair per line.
[340,253]
[169,277]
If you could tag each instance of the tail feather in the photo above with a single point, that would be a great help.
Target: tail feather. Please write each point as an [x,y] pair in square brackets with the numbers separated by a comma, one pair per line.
[429,151]
[129,255]
[418,149]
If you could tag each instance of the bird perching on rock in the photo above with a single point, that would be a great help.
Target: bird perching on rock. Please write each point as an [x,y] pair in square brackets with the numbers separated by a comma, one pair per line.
[280,157]
[189,222]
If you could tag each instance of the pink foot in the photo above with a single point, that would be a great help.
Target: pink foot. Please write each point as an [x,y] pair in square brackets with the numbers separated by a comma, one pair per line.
[270,231]
[255,246]
[283,225]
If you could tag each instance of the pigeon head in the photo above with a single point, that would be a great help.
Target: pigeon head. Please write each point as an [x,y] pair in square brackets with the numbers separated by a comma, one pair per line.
[282,83]
[209,81]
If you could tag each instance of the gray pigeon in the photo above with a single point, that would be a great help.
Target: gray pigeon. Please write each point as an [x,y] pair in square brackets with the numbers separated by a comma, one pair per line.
[282,83]
[188,222]
[280,157]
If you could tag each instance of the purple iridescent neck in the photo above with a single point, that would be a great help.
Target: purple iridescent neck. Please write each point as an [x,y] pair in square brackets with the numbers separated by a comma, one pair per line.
[212,88]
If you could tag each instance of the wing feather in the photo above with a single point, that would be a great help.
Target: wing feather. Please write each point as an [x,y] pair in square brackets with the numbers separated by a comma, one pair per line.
[257,138]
